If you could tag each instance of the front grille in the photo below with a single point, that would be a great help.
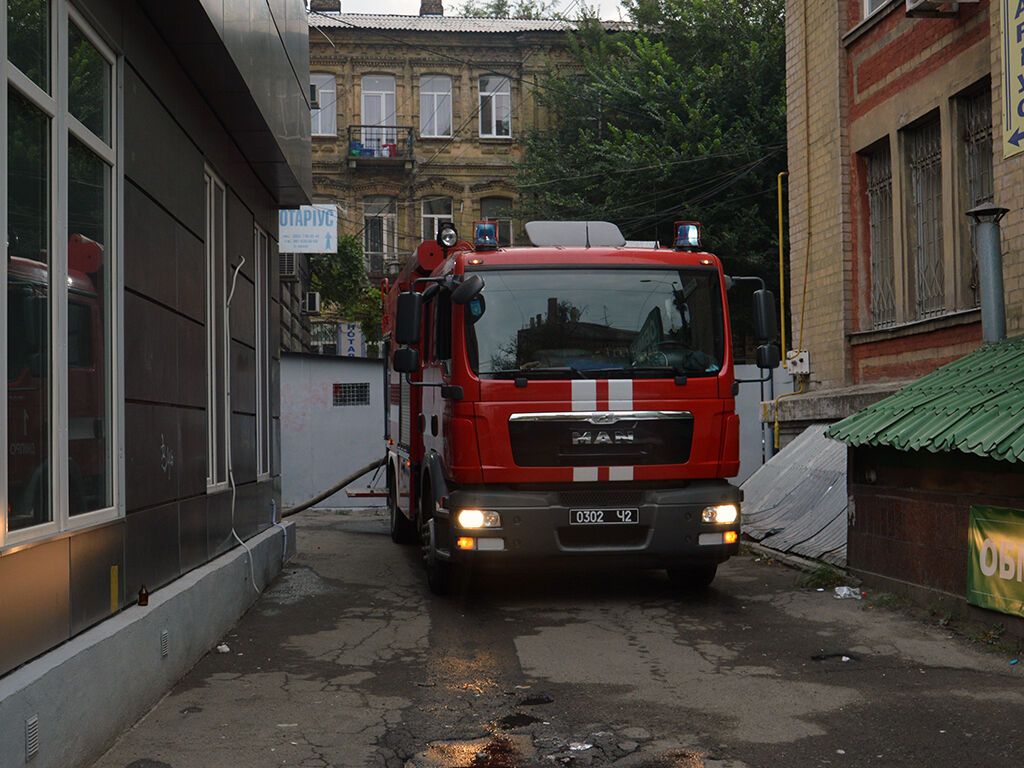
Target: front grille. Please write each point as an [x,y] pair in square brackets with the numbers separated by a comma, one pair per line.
[573,443]
[603,536]
[600,499]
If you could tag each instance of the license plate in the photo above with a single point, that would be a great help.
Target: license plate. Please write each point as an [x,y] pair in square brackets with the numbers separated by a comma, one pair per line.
[604,516]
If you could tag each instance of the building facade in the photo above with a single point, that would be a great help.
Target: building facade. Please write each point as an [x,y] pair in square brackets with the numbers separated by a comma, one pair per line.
[140,273]
[419,119]
[895,132]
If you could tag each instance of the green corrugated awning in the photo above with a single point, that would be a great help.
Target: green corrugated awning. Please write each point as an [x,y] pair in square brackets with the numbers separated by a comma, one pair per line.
[974,405]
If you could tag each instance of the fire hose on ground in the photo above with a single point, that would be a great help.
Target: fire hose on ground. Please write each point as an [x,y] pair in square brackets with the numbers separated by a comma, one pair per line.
[333,489]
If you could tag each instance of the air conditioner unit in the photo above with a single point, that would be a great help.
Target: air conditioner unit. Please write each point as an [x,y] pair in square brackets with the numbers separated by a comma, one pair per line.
[311,303]
[288,268]
[936,9]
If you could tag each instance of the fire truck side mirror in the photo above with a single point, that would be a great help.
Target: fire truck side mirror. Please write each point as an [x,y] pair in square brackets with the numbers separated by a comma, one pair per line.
[768,356]
[468,289]
[407,317]
[406,360]
[766,325]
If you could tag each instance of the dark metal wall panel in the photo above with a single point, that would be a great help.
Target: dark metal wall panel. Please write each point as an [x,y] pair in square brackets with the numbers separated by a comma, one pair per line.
[97,575]
[243,379]
[191,255]
[191,363]
[275,388]
[159,156]
[243,447]
[191,463]
[243,321]
[151,549]
[275,448]
[218,524]
[150,248]
[193,530]
[34,602]
[240,236]
[151,445]
[152,366]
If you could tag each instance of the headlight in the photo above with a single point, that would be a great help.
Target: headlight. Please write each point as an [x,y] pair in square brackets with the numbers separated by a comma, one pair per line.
[478,518]
[447,236]
[721,513]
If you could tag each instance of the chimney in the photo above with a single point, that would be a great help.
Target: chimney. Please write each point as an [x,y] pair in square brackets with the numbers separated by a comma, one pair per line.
[990,269]
[430,8]
[325,6]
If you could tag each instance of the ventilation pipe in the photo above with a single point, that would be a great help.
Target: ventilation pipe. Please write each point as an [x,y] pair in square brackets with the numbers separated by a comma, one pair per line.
[986,218]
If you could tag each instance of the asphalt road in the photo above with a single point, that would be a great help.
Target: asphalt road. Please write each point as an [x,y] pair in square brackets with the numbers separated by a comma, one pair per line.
[347,660]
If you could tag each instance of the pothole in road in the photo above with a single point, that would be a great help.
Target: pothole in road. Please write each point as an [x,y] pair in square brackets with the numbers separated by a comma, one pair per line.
[533,701]
[517,720]
[500,751]
[844,657]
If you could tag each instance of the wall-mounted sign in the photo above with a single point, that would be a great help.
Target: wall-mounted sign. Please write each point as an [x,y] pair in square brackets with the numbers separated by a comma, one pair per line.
[308,229]
[995,559]
[1011,44]
[350,340]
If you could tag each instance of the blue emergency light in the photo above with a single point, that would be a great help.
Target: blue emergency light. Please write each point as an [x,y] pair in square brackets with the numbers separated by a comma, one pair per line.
[687,235]
[485,235]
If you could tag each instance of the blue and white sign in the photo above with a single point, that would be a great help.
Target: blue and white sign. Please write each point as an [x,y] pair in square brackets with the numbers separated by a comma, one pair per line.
[308,229]
[350,340]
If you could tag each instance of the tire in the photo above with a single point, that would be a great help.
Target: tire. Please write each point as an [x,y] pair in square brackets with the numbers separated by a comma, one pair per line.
[403,530]
[693,578]
[439,571]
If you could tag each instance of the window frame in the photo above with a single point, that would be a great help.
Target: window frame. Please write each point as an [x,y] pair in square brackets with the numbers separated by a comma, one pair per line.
[435,97]
[216,403]
[481,94]
[436,218]
[63,126]
[330,86]
[261,318]
[500,220]
[868,11]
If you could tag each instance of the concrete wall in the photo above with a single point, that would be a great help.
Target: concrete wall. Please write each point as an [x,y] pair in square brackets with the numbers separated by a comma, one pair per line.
[321,442]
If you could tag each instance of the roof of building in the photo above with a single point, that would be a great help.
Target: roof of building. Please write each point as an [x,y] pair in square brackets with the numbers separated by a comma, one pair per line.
[381,21]
[974,405]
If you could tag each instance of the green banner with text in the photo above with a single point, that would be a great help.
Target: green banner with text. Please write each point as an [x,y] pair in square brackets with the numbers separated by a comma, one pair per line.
[995,560]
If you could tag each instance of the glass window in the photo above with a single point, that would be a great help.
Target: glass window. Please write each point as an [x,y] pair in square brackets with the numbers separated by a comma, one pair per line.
[495,106]
[379,234]
[90,460]
[976,162]
[883,277]
[597,323]
[378,117]
[870,6]
[29,384]
[499,209]
[924,163]
[435,211]
[436,106]
[88,84]
[323,104]
[261,246]
[28,39]
[216,334]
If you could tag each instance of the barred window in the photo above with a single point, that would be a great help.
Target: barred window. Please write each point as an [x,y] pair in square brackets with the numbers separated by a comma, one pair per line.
[924,161]
[883,277]
[976,158]
[352,394]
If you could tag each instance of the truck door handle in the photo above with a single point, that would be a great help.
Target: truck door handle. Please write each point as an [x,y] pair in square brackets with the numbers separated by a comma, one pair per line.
[433,425]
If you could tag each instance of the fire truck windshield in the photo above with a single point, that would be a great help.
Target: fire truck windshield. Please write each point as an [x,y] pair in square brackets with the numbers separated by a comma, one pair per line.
[597,323]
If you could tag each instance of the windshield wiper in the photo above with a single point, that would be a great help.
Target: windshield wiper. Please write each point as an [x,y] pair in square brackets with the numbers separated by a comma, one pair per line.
[526,372]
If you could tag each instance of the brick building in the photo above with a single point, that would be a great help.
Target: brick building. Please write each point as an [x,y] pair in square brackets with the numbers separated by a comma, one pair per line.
[418,120]
[901,137]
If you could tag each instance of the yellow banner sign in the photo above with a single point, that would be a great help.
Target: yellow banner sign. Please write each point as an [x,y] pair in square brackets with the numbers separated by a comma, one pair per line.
[1012,44]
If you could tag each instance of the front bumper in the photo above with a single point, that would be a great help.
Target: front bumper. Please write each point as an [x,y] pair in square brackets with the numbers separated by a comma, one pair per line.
[535,525]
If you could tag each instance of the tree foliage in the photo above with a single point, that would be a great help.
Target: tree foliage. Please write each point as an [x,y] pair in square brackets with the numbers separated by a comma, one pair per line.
[683,118]
[344,288]
[508,9]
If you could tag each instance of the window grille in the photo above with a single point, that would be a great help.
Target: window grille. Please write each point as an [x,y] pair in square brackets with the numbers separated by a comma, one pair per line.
[924,154]
[883,292]
[352,394]
[976,119]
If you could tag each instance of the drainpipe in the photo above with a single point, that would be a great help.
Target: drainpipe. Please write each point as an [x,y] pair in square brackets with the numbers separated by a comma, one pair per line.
[990,270]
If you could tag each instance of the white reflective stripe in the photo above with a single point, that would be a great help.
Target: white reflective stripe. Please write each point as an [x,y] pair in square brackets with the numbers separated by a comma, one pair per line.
[584,394]
[584,474]
[490,545]
[620,473]
[620,394]
[711,538]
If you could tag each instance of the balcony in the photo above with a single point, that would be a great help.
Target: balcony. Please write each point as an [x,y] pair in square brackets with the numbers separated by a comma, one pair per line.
[380,146]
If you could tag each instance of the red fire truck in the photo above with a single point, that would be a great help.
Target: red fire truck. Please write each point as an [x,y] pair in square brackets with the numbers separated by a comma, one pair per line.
[570,400]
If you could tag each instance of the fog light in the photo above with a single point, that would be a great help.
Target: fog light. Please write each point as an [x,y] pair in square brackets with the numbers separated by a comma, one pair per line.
[731,537]
[478,518]
[721,513]
[465,542]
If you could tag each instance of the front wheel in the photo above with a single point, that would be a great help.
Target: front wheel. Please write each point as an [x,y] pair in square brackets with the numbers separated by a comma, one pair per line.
[695,578]
[439,571]
[403,530]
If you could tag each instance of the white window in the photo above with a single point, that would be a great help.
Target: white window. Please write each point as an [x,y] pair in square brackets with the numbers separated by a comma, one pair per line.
[323,104]
[378,134]
[499,210]
[435,211]
[61,273]
[217,399]
[870,6]
[436,106]
[261,248]
[495,107]
[380,243]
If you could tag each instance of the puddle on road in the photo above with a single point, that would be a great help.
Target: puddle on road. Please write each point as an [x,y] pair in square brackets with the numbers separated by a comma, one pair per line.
[517,720]
[533,701]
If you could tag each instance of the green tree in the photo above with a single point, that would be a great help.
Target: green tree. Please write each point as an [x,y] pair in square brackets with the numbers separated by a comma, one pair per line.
[681,118]
[508,9]
[344,288]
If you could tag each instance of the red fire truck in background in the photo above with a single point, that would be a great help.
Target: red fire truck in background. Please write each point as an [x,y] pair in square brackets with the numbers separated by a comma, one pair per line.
[573,400]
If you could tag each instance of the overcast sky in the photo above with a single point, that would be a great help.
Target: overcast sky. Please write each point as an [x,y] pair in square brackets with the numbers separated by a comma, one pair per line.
[610,9]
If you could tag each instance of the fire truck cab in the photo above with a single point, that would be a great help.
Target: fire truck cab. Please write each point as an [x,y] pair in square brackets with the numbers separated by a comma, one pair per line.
[573,400]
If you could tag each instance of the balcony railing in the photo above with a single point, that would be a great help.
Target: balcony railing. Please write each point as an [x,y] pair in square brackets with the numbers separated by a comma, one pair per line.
[379,145]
